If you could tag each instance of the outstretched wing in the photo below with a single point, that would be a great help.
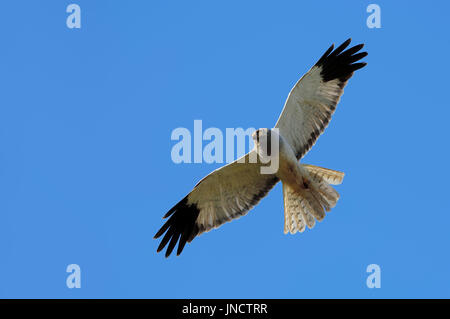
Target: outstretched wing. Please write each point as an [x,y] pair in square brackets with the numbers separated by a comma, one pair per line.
[227,193]
[312,101]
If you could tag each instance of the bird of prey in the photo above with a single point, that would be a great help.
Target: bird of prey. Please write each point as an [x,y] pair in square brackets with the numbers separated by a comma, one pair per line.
[232,190]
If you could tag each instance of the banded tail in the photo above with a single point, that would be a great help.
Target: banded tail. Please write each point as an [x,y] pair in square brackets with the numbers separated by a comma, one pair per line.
[303,206]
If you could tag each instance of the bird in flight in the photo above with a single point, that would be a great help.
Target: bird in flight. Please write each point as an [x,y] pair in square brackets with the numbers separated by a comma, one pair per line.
[232,190]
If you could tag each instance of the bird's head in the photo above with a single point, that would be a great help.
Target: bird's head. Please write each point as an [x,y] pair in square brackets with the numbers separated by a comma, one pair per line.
[265,140]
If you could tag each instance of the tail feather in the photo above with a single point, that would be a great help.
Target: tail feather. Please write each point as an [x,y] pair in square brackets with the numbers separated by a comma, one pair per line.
[324,200]
[306,213]
[296,217]
[321,178]
[294,222]
[330,195]
[301,226]
[297,212]
[316,207]
[328,175]
[304,205]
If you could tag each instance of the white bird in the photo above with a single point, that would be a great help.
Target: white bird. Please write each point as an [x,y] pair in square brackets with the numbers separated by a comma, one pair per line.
[232,190]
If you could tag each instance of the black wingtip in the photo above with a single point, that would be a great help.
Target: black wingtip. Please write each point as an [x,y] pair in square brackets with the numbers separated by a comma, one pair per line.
[341,48]
[339,64]
[179,227]
[324,56]
[161,231]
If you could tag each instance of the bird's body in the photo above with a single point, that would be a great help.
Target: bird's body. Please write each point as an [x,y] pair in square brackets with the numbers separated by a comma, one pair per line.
[289,170]
[232,190]
[306,195]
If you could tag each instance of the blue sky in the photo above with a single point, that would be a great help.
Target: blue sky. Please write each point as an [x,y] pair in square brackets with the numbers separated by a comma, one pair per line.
[85,168]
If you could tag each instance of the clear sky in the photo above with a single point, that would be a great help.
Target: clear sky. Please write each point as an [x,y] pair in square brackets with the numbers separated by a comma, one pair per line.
[86,174]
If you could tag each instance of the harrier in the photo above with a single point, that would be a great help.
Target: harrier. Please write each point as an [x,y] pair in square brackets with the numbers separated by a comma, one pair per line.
[232,190]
